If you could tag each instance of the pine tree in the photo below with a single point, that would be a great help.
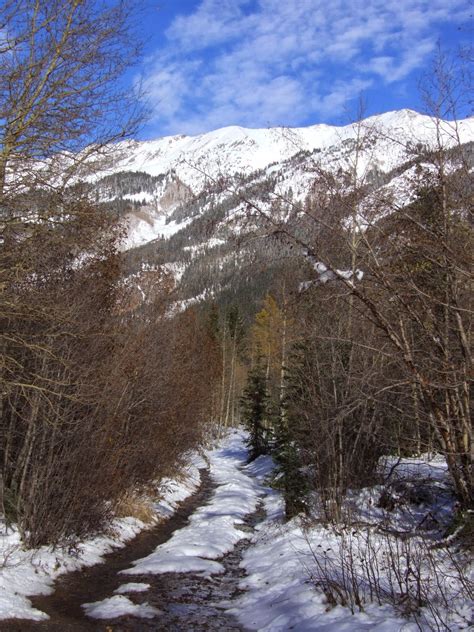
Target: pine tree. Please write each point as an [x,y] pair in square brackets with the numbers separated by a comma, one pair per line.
[254,408]
[291,479]
[286,452]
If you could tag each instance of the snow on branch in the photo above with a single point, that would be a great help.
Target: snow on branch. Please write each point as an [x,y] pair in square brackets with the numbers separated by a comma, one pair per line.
[327,274]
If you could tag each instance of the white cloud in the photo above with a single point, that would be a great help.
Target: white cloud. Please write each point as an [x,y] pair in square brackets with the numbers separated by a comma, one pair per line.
[270,62]
[213,22]
[341,92]
[394,69]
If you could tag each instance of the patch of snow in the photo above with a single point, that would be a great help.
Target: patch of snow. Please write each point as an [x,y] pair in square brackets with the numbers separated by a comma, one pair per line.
[131,587]
[119,606]
[282,589]
[175,269]
[426,466]
[181,306]
[25,573]
[210,243]
[143,196]
[141,231]
[32,572]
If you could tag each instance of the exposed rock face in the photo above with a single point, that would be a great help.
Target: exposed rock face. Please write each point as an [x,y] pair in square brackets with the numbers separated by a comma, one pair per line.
[174,194]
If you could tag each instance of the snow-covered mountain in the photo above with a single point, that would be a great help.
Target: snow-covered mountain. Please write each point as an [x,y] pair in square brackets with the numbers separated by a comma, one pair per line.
[242,150]
[187,200]
[180,168]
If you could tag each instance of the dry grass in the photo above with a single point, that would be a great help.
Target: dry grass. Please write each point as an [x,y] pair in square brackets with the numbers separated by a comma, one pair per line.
[135,505]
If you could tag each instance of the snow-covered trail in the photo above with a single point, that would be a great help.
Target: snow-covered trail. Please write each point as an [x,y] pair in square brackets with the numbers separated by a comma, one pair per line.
[183,575]
[64,606]
[227,560]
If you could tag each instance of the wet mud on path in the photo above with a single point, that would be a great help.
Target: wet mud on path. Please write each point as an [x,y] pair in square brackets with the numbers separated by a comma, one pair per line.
[187,601]
[190,602]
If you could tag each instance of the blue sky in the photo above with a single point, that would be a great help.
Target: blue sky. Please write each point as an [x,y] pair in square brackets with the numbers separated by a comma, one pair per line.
[260,63]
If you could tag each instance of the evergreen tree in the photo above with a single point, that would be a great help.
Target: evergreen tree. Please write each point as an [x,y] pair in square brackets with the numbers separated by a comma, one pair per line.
[291,479]
[286,452]
[254,409]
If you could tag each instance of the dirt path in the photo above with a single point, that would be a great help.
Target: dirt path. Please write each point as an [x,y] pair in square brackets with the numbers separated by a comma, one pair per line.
[188,602]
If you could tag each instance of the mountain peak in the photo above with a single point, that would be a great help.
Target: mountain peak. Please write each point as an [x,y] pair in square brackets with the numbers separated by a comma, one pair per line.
[228,153]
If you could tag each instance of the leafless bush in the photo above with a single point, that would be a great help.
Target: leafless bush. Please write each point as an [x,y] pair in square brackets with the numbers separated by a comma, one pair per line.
[96,401]
[427,585]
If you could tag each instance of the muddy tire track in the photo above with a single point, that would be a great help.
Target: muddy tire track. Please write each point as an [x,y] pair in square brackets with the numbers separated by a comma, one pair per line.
[188,602]
[95,583]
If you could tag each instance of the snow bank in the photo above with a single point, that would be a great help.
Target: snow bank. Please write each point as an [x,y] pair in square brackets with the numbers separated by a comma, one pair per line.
[132,587]
[290,566]
[280,596]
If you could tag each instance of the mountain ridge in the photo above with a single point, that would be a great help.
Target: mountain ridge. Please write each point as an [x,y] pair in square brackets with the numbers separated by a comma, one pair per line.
[160,155]
[180,168]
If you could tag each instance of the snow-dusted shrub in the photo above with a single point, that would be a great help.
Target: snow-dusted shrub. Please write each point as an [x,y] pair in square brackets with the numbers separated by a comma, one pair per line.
[430,585]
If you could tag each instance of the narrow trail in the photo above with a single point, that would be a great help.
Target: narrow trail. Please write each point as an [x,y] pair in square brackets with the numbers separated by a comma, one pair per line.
[190,602]
[187,601]
[94,583]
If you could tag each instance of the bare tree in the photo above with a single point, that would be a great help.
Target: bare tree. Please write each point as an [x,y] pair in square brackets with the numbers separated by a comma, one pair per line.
[60,106]
[411,307]
[61,61]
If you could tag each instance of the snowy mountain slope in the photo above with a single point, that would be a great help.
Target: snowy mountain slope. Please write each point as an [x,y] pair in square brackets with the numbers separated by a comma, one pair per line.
[239,150]
[189,191]
[160,177]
